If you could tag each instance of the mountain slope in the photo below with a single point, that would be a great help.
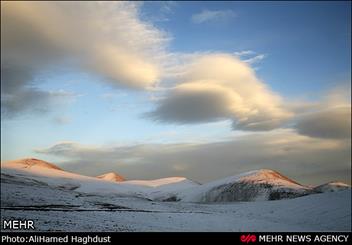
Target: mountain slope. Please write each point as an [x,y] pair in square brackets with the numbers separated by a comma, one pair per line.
[264,184]
[332,187]
[164,189]
[53,176]
[111,176]
[255,185]
[27,163]
[34,171]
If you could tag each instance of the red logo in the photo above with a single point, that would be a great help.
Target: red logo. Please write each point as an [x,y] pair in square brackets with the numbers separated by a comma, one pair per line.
[248,238]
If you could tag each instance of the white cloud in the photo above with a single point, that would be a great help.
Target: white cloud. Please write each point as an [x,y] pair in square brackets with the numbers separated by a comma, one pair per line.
[220,86]
[255,59]
[109,39]
[244,53]
[162,10]
[106,37]
[212,15]
[249,56]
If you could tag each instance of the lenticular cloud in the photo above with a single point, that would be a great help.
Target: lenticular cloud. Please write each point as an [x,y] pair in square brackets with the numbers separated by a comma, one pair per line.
[220,86]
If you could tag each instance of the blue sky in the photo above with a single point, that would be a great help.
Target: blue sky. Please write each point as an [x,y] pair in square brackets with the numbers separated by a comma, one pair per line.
[299,51]
[307,43]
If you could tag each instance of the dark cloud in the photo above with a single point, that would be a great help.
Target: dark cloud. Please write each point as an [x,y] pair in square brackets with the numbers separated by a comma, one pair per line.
[329,123]
[14,78]
[24,54]
[31,100]
[306,159]
[192,107]
[19,97]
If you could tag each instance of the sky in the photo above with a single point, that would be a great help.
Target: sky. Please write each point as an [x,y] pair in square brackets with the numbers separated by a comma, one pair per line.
[196,89]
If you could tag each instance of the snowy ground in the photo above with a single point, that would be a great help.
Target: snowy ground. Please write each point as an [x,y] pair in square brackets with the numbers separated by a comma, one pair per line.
[54,209]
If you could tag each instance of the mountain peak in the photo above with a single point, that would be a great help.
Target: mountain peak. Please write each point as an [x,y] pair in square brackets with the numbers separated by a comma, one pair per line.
[337,183]
[111,176]
[268,176]
[29,163]
[332,186]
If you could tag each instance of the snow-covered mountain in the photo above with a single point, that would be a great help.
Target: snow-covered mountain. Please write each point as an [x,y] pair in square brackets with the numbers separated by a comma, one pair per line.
[53,176]
[165,189]
[255,185]
[62,201]
[264,184]
[332,187]
[111,176]
[40,172]
[29,163]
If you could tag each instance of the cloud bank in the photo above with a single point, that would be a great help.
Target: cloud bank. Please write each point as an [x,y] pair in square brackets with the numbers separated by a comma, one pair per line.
[331,118]
[304,158]
[328,123]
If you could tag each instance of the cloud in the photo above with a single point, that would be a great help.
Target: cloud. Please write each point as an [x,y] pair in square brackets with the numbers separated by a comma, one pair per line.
[220,86]
[244,53]
[158,11]
[167,7]
[328,123]
[110,39]
[249,56]
[32,100]
[303,158]
[105,38]
[212,15]
[255,59]
[19,96]
[331,118]
[62,120]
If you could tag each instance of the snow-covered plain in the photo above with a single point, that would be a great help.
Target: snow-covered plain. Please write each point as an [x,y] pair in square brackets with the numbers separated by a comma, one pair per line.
[60,201]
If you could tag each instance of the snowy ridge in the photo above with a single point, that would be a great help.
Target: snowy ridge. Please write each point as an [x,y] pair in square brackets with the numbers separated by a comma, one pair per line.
[254,185]
[55,177]
[269,176]
[264,184]
[332,187]
[164,189]
[114,177]
[28,163]
[157,182]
